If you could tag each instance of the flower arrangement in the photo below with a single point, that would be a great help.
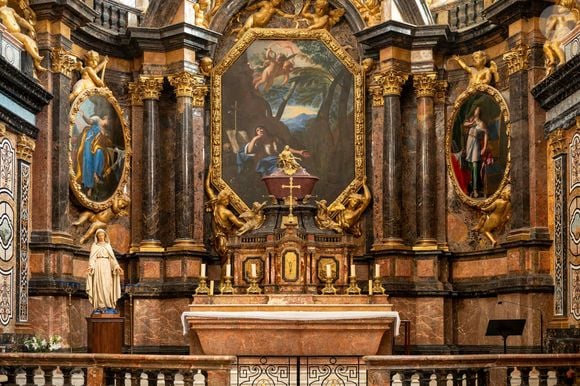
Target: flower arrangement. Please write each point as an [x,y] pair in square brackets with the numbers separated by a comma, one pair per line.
[37,344]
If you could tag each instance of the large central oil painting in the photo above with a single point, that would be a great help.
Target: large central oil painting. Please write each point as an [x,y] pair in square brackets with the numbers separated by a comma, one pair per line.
[288,91]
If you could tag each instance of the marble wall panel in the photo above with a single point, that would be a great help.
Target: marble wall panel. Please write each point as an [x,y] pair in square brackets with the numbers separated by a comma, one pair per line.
[491,267]
[151,270]
[173,268]
[80,267]
[36,262]
[404,267]
[67,264]
[192,268]
[158,322]
[427,319]
[425,268]
[166,169]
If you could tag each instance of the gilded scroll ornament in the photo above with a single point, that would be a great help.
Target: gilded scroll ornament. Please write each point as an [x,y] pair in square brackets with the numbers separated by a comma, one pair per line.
[15,24]
[392,81]
[61,61]
[370,10]
[90,77]
[479,73]
[517,59]
[25,148]
[495,216]
[321,16]
[425,84]
[100,220]
[224,221]
[150,87]
[185,83]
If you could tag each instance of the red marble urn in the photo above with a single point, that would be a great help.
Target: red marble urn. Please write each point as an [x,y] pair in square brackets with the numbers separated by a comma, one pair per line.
[278,184]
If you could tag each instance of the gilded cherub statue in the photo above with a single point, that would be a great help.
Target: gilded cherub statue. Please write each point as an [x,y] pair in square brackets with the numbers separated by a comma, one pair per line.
[323,219]
[224,221]
[495,215]
[14,24]
[264,10]
[90,77]
[349,214]
[556,31]
[479,73]
[201,8]
[254,218]
[323,17]
[119,208]
[205,65]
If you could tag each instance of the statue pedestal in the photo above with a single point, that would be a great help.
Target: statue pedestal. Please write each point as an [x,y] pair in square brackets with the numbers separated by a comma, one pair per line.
[105,334]
[291,325]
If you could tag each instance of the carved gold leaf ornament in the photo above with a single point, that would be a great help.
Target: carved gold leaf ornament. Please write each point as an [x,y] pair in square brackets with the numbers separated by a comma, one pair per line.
[135,93]
[517,59]
[150,87]
[557,142]
[234,54]
[25,148]
[98,206]
[391,81]
[425,84]
[62,61]
[504,113]
[185,83]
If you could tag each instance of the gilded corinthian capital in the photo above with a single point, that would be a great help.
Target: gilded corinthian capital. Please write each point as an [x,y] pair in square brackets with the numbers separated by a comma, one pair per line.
[25,148]
[425,84]
[557,143]
[185,83]
[392,81]
[150,87]
[517,59]
[62,61]
[135,93]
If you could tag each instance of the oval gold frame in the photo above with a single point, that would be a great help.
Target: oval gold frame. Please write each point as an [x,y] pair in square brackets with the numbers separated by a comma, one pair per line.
[504,111]
[98,206]
[216,107]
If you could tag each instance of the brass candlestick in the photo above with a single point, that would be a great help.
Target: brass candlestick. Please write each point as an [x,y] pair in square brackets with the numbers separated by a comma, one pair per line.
[254,288]
[202,289]
[227,288]
[353,287]
[378,286]
[329,288]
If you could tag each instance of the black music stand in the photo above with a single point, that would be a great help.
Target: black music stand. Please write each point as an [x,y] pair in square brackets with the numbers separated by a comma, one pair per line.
[505,328]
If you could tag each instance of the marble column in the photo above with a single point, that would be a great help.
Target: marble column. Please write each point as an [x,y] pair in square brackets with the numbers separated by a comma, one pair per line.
[441,185]
[520,153]
[425,86]
[150,88]
[190,91]
[24,151]
[62,64]
[136,169]
[387,133]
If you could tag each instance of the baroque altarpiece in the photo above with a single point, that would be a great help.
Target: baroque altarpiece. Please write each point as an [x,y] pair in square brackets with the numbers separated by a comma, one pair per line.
[304,149]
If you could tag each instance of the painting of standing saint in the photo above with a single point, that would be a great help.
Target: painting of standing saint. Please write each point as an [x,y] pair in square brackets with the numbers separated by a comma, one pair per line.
[287,92]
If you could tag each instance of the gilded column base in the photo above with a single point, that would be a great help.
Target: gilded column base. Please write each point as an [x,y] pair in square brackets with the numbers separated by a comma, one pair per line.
[388,244]
[186,245]
[425,245]
[61,238]
[24,328]
[559,322]
[151,246]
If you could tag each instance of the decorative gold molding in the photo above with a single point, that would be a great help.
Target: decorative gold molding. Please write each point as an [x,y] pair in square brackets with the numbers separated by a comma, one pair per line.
[425,84]
[517,59]
[199,93]
[135,93]
[62,61]
[370,11]
[392,81]
[557,143]
[441,91]
[150,87]
[25,148]
[185,83]
[376,92]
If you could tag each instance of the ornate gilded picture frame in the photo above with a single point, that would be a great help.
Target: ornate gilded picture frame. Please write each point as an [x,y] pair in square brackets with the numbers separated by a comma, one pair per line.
[279,87]
[478,145]
[99,149]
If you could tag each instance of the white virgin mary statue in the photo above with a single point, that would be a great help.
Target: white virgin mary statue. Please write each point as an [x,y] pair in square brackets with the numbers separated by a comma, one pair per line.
[104,279]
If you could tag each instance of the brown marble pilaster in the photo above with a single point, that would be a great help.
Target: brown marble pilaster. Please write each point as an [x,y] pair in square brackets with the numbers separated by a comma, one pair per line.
[520,152]
[137,143]
[390,139]
[424,84]
[185,85]
[198,125]
[441,185]
[150,88]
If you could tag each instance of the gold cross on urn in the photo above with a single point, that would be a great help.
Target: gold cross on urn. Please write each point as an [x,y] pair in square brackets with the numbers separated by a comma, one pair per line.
[290,220]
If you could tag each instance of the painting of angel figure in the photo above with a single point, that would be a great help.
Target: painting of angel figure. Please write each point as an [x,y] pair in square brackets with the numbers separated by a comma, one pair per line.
[97,149]
[479,146]
[293,93]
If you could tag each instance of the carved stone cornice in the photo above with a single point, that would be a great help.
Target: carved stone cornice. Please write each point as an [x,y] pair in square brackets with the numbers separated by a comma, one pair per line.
[425,84]
[185,83]
[135,94]
[150,87]
[517,59]
[62,62]
[391,81]
[557,143]
[25,148]
[199,93]
[376,92]
[441,91]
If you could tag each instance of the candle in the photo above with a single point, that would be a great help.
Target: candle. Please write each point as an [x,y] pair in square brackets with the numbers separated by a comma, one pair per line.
[202,270]
[211,286]
[228,270]
[377,270]
[254,270]
[370,287]
[352,271]
[328,271]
